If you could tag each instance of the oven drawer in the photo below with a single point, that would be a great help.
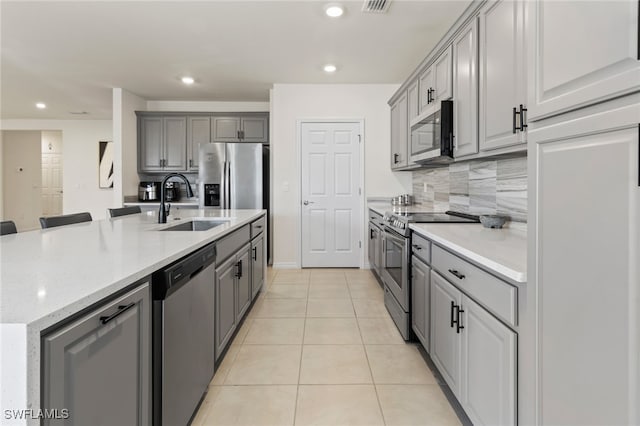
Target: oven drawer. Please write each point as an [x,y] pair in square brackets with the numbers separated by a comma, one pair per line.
[398,315]
[494,294]
[421,248]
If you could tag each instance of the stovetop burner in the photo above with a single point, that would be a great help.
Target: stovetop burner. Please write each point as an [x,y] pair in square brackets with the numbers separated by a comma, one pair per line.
[399,222]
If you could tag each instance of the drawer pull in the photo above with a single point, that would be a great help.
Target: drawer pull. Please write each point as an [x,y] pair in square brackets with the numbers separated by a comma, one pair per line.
[456,274]
[121,309]
[417,247]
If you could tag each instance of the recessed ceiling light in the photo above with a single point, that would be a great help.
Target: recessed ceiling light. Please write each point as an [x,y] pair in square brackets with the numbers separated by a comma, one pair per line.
[330,68]
[41,105]
[334,10]
[187,80]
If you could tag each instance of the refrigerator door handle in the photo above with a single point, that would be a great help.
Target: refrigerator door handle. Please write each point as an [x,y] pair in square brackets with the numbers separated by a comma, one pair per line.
[224,186]
[229,205]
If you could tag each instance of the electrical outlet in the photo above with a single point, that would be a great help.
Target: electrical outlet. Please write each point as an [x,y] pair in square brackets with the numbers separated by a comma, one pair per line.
[424,186]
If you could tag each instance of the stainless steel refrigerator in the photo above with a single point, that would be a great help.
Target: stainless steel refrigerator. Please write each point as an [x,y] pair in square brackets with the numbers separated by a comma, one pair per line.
[235,176]
[231,176]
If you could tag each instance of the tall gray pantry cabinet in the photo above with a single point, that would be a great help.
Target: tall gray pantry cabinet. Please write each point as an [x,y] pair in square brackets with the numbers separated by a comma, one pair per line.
[99,365]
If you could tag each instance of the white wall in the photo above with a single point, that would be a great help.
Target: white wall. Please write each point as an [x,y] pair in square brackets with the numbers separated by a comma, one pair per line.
[22,169]
[80,161]
[204,106]
[125,139]
[291,102]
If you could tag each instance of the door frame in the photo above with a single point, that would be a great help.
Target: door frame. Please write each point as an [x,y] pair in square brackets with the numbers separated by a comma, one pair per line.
[361,204]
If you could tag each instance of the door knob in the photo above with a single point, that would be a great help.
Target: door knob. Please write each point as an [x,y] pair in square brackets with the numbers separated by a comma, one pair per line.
[306,203]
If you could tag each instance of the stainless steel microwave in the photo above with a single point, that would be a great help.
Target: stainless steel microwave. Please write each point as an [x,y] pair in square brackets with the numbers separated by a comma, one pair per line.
[432,137]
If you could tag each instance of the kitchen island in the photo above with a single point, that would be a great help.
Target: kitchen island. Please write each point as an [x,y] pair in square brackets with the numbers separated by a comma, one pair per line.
[50,275]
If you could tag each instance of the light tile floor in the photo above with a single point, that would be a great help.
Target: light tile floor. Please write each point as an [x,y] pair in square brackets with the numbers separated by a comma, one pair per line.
[319,348]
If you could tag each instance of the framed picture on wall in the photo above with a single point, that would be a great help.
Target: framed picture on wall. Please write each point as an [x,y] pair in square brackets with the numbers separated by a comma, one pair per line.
[105,164]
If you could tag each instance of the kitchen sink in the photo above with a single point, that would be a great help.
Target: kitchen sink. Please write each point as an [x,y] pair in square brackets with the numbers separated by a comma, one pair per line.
[196,225]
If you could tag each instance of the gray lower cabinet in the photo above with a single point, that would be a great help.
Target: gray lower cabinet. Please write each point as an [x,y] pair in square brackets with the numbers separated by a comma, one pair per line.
[445,341]
[420,303]
[257,264]
[244,281]
[99,366]
[488,367]
[226,319]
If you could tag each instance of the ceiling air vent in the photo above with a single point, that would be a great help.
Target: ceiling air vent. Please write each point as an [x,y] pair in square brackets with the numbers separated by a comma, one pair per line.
[376,6]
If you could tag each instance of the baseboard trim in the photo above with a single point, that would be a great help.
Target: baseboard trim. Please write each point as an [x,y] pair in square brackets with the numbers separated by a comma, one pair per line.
[285,265]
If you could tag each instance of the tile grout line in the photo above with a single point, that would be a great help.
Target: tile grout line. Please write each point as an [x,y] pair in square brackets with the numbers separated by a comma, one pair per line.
[304,330]
[373,380]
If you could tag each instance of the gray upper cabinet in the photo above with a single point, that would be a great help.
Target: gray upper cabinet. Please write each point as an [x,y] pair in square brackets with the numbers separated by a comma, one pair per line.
[425,84]
[175,143]
[254,129]
[150,152]
[443,88]
[502,74]
[162,143]
[435,83]
[399,133]
[241,129]
[169,142]
[465,89]
[99,366]
[198,132]
[569,70]
[226,129]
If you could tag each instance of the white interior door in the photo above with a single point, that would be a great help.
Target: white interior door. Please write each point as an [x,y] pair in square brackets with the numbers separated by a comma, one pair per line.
[51,184]
[330,194]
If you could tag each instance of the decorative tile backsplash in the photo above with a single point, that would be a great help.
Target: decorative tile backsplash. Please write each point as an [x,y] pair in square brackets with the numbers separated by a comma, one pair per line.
[477,187]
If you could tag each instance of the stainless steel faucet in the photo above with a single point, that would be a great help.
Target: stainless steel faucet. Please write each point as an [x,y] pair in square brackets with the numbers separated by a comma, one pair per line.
[162,213]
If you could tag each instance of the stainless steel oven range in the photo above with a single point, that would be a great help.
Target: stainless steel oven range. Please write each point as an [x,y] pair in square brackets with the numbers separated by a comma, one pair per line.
[396,259]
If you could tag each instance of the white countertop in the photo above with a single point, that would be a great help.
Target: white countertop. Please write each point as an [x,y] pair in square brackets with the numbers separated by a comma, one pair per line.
[501,251]
[47,275]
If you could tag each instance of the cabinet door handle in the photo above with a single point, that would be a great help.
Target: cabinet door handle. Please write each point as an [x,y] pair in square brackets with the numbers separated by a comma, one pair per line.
[239,264]
[371,234]
[523,123]
[453,315]
[395,159]
[190,162]
[160,161]
[255,254]
[459,325]
[121,309]
[515,112]
[456,274]
[417,247]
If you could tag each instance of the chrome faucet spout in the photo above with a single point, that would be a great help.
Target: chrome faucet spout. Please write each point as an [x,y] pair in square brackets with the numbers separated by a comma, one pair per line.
[162,212]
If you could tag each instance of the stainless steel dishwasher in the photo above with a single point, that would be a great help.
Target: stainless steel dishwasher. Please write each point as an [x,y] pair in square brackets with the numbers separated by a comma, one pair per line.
[183,336]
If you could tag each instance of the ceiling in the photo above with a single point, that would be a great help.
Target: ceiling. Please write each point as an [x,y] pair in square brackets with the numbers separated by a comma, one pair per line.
[71,54]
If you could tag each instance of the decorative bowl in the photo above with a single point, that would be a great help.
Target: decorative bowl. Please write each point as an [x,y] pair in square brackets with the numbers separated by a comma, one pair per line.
[493,220]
